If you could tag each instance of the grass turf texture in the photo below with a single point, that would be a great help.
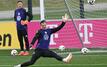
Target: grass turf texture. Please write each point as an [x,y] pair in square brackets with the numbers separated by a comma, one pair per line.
[94,14]
[79,60]
[54,5]
[11,4]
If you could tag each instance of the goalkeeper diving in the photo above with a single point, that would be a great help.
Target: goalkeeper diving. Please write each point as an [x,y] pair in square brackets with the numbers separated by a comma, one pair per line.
[42,49]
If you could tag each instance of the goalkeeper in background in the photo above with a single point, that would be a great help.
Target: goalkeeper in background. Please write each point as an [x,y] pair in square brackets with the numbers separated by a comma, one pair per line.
[42,48]
[20,16]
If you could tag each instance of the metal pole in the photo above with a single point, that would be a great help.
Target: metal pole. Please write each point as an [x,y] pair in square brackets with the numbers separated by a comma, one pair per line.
[30,6]
[82,9]
[42,12]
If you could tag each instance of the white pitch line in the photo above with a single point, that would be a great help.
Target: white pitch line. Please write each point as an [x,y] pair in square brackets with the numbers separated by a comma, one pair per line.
[43,65]
[73,55]
[90,51]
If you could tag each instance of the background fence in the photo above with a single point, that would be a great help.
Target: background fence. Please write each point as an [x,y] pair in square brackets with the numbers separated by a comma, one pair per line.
[54,9]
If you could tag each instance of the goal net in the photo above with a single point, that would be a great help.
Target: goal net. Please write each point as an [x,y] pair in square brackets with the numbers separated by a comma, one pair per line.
[88,21]
[55,9]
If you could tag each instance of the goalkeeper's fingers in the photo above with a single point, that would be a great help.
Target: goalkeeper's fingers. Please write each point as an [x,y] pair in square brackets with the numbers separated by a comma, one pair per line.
[66,16]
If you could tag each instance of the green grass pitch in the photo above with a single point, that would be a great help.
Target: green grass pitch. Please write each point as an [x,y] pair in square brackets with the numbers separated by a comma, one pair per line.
[79,60]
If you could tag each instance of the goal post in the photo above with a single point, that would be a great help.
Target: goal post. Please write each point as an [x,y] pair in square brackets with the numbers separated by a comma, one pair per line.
[30,6]
[42,12]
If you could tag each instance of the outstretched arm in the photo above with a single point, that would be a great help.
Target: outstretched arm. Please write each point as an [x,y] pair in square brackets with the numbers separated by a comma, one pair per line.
[37,35]
[64,19]
[58,28]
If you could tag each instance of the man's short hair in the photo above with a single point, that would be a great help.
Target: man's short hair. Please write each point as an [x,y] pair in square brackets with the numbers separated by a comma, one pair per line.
[19,1]
[42,21]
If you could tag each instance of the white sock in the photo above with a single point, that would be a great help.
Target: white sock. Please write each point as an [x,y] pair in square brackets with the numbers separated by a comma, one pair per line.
[19,65]
[64,60]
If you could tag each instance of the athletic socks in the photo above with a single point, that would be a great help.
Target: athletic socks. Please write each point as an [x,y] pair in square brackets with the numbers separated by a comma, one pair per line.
[68,58]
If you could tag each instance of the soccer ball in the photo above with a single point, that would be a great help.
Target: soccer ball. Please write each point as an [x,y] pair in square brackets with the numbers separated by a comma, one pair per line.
[14,52]
[84,50]
[61,48]
[91,2]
